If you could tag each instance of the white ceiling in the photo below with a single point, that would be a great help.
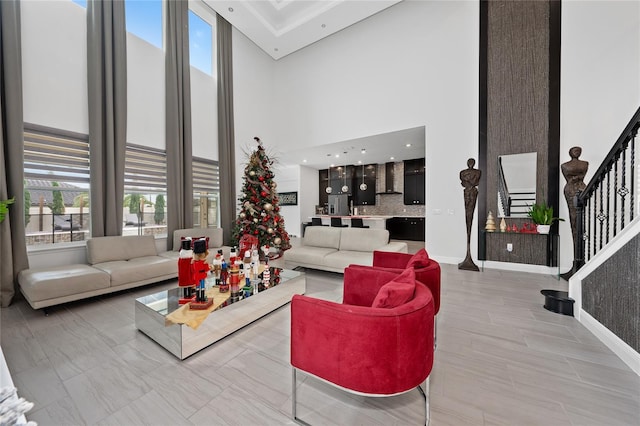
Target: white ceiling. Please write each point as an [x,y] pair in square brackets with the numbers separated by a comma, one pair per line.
[280,27]
[378,149]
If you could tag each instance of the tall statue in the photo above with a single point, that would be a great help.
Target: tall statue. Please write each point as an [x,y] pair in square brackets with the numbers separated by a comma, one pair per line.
[574,172]
[469,179]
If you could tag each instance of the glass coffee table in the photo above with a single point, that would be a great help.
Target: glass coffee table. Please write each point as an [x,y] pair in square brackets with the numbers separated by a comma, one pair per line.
[183,341]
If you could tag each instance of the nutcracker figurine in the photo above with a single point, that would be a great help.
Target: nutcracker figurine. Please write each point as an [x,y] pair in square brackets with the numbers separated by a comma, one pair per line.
[200,270]
[185,276]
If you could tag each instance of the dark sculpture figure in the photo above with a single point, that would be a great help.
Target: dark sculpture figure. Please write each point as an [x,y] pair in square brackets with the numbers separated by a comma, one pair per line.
[469,178]
[574,172]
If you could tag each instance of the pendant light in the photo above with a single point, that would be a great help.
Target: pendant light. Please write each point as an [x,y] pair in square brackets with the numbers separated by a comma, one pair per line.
[345,188]
[328,189]
[363,186]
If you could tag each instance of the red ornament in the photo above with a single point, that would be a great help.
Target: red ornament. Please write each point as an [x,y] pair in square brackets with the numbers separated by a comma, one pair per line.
[255,232]
[261,178]
[263,193]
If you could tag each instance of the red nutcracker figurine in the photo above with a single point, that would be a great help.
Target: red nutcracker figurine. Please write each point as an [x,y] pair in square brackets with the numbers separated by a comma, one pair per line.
[185,276]
[200,270]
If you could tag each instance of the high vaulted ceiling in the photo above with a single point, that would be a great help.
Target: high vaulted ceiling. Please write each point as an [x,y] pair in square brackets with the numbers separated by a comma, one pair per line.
[280,27]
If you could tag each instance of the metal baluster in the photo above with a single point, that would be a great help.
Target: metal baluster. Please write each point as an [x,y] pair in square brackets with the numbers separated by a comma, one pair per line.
[623,190]
[608,204]
[633,158]
[589,234]
[615,198]
[601,213]
[580,241]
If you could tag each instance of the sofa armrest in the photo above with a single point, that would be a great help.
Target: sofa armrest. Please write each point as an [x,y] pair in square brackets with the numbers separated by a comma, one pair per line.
[362,283]
[394,246]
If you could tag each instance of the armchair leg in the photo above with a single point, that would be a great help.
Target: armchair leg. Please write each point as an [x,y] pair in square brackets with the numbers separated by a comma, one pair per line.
[425,395]
[294,399]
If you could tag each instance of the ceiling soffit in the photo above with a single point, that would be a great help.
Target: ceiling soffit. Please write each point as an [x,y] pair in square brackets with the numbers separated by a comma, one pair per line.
[281,27]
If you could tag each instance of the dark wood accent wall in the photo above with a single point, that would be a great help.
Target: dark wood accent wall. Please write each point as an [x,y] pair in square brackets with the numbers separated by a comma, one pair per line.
[519,95]
[611,293]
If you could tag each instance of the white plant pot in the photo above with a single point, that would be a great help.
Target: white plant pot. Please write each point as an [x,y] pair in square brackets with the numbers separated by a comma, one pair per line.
[543,229]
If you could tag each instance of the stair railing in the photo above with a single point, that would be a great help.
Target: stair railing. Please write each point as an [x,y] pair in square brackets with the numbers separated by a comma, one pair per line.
[505,198]
[607,203]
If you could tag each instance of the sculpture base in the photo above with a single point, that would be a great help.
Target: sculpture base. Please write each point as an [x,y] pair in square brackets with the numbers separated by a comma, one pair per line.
[468,265]
[558,302]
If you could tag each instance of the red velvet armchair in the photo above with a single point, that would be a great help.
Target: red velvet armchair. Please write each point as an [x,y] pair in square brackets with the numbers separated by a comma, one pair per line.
[372,351]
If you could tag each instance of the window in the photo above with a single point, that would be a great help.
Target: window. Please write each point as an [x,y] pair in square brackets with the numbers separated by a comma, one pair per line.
[200,43]
[206,192]
[82,3]
[144,19]
[145,191]
[56,190]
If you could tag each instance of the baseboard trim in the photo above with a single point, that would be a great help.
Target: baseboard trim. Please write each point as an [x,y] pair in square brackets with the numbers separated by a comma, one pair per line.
[625,352]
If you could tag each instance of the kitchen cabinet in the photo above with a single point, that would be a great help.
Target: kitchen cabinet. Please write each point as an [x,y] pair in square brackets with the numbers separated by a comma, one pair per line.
[414,176]
[406,228]
[340,176]
[323,183]
[368,196]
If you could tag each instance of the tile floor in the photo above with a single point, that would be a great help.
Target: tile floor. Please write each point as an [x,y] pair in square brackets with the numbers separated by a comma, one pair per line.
[501,360]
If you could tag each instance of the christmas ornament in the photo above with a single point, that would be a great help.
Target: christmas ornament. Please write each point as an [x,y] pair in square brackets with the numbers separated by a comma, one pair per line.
[277,241]
[268,206]
[274,185]
[255,220]
[261,178]
[270,230]
[263,194]
[242,215]
[263,214]
[252,173]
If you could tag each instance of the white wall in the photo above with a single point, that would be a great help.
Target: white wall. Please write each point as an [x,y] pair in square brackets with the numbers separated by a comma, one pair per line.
[600,85]
[253,102]
[414,64]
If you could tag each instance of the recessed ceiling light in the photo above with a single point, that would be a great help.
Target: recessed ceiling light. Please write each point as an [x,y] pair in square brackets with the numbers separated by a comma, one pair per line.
[391,158]
[323,26]
[363,151]
[230,9]
[304,161]
[337,155]
[275,49]
[359,161]
[408,145]
[332,165]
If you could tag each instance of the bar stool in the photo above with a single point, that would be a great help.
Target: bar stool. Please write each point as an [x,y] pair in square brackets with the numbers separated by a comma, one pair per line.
[337,222]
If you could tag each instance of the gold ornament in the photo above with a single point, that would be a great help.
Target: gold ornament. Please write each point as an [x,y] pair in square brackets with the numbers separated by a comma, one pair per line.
[273,185]
[255,220]
[242,215]
[268,207]
[252,173]
[277,241]
[270,230]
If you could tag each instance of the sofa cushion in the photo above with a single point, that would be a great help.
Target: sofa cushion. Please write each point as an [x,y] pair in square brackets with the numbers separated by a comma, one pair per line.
[39,284]
[419,260]
[397,291]
[322,236]
[107,249]
[309,255]
[363,239]
[341,259]
[138,269]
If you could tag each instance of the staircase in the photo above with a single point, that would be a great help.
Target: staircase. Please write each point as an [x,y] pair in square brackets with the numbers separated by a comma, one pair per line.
[605,278]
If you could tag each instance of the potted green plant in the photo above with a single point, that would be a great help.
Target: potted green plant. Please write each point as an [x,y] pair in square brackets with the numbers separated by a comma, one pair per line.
[4,207]
[542,216]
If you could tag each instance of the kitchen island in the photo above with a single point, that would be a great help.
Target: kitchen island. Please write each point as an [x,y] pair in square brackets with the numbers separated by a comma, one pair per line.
[372,221]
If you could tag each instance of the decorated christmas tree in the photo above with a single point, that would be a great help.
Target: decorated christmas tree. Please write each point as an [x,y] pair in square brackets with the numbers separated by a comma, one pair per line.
[259,214]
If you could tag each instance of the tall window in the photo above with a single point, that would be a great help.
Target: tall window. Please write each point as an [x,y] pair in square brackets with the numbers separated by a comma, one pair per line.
[56,168]
[200,43]
[144,19]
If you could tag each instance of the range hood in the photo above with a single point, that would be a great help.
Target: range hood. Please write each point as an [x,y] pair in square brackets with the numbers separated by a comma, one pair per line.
[389,175]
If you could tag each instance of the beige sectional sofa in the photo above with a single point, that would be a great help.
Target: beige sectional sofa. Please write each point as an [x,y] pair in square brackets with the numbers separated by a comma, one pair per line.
[114,263]
[333,249]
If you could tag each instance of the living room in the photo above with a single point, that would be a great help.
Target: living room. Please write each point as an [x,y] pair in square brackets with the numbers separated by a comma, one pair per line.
[412,64]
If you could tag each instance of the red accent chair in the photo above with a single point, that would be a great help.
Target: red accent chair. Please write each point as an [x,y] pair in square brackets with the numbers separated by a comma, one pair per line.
[371,351]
